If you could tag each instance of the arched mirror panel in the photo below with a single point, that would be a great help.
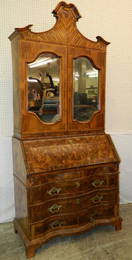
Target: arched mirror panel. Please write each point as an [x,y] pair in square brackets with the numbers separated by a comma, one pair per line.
[44,87]
[86,89]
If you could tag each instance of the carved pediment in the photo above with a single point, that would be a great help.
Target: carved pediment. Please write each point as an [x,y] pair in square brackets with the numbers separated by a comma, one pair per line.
[63,32]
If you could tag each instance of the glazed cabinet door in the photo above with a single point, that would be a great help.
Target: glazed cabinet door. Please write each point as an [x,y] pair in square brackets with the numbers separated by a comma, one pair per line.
[43,88]
[86,79]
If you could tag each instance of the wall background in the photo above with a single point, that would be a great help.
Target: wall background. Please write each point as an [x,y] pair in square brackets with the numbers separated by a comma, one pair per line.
[110,19]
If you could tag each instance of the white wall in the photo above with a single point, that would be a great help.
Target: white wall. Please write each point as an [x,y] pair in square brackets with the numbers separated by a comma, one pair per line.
[109,19]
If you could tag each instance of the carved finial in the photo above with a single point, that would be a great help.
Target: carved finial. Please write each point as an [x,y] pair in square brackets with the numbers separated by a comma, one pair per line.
[100,39]
[63,6]
[26,28]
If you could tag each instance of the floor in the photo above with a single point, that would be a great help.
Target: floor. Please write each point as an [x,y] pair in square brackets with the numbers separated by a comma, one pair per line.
[101,243]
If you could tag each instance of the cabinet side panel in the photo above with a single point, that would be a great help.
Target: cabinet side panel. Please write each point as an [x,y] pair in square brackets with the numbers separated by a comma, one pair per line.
[19,164]
[113,147]
[21,209]
[16,82]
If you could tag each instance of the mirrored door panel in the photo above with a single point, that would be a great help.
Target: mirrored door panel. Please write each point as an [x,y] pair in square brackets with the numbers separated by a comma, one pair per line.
[44,87]
[85,88]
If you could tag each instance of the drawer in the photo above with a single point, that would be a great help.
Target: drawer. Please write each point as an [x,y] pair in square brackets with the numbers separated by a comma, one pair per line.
[96,213]
[58,176]
[70,205]
[53,223]
[91,216]
[52,190]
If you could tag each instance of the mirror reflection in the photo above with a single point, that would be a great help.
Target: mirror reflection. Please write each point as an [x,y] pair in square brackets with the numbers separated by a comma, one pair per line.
[85,85]
[44,87]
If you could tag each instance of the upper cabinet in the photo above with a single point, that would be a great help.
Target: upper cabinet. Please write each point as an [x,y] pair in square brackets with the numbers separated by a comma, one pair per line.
[59,79]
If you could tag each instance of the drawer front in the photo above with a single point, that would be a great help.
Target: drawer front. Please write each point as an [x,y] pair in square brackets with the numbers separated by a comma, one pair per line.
[70,205]
[57,176]
[70,221]
[51,224]
[96,213]
[55,189]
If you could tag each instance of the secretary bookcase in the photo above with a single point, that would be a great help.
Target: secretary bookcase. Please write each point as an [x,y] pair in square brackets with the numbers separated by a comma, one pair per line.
[66,169]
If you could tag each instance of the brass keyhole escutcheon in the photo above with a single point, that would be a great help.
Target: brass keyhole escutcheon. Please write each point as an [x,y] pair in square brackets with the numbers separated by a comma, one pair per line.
[78,201]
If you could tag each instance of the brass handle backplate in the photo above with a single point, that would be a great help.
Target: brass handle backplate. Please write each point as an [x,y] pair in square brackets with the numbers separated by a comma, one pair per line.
[57,223]
[54,208]
[54,191]
[97,183]
[97,198]
[92,217]
[77,183]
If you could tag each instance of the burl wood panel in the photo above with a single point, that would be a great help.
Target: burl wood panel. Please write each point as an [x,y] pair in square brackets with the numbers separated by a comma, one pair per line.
[67,204]
[105,171]
[60,153]
[54,189]
[54,223]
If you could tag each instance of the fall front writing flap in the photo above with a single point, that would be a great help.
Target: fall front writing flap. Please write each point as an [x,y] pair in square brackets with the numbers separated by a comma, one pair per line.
[61,153]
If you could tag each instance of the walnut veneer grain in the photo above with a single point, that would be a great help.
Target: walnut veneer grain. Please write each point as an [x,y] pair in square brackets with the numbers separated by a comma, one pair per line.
[66,173]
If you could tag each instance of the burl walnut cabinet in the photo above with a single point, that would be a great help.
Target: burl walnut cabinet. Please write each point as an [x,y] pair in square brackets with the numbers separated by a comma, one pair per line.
[66,169]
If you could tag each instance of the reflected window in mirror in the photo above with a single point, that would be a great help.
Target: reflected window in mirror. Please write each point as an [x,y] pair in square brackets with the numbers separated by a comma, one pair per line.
[44,87]
[85,89]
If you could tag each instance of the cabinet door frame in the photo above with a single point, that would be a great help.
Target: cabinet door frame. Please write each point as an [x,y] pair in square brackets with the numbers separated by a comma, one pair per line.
[31,124]
[96,123]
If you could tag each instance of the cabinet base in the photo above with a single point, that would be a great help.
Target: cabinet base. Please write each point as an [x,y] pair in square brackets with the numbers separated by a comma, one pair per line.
[32,245]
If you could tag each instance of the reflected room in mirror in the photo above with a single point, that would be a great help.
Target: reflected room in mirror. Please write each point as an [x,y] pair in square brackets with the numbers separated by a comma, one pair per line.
[44,87]
[86,90]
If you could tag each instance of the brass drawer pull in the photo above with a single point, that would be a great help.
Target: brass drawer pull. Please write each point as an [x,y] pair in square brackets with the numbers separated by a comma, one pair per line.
[56,224]
[77,184]
[97,198]
[54,208]
[97,183]
[92,217]
[54,191]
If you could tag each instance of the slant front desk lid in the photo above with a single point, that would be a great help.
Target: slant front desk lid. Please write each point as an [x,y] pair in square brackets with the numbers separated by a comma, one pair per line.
[61,153]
